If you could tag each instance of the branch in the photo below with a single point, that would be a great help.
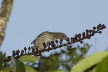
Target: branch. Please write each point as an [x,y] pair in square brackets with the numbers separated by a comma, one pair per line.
[4,17]
[54,44]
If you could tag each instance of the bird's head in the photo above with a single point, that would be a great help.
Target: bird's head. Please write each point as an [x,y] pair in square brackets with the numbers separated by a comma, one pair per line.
[61,36]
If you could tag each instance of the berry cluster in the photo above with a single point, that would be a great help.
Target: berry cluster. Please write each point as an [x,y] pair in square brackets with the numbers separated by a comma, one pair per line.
[54,44]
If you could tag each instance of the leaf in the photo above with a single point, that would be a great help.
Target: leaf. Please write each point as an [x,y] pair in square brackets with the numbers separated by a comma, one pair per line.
[83,50]
[103,65]
[18,66]
[1,60]
[55,71]
[89,61]
[29,69]
[73,50]
[28,58]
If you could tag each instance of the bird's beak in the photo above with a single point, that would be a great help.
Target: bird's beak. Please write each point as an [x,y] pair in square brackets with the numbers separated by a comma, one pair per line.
[66,38]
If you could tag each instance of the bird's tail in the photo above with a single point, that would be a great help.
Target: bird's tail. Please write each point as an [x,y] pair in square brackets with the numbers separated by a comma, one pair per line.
[33,41]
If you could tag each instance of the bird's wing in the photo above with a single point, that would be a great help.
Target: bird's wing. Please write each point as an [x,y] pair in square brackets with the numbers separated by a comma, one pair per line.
[44,39]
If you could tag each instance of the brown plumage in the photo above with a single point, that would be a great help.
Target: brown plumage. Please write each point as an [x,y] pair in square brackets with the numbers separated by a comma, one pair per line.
[47,37]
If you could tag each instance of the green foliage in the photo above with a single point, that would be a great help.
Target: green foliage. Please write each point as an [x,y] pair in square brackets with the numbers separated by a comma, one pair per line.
[28,58]
[74,55]
[2,64]
[54,61]
[55,71]
[1,60]
[103,65]
[97,62]
[29,69]
[67,58]
[49,63]
[18,65]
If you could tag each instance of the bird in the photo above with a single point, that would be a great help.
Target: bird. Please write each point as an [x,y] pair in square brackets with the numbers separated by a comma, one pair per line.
[46,37]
